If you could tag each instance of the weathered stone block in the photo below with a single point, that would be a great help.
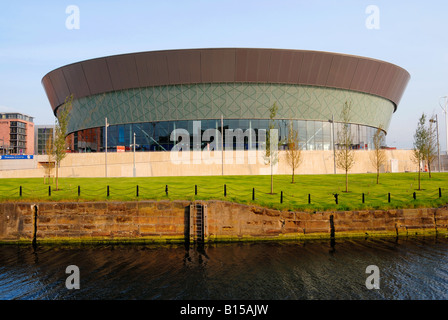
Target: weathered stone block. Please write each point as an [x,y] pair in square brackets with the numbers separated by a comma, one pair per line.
[123,219]
[147,228]
[147,220]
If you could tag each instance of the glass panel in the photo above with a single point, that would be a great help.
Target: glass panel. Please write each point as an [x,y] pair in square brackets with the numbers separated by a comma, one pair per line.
[326,135]
[263,124]
[121,134]
[310,135]
[355,135]
[363,137]
[301,127]
[318,135]
[243,124]
[181,124]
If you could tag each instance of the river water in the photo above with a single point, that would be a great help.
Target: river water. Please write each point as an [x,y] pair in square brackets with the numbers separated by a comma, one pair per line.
[410,268]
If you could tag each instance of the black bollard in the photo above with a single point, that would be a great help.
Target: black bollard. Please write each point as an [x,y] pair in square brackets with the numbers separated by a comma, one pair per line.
[253,194]
[281,196]
[309,198]
[336,197]
[79,191]
[49,190]
[195,189]
[225,191]
[137,190]
[108,191]
[20,191]
[388,197]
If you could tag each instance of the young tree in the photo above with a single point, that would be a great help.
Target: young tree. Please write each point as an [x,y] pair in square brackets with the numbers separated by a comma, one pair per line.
[378,157]
[294,152]
[420,145]
[60,145]
[272,143]
[49,150]
[431,149]
[345,157]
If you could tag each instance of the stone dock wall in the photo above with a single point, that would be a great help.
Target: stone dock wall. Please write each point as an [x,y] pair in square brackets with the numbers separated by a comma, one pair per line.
[168,221]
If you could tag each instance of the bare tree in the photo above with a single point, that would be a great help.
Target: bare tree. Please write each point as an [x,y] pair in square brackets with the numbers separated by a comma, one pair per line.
[49,150]
[345,157]
[294,152]
[60,144]
[420,146]
[378,157]
[271,154]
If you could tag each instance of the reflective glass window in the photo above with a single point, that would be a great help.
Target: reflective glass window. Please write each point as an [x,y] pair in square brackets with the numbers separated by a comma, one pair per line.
[310,135]
[121,134]
[326,135]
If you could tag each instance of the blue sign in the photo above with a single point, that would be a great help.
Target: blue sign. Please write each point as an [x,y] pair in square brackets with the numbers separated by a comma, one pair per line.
[14,157]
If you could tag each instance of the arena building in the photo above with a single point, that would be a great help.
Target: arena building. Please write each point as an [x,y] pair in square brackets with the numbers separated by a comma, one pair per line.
[150,94]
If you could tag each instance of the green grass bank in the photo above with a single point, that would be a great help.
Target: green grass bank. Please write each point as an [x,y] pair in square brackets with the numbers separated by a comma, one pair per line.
[309,192]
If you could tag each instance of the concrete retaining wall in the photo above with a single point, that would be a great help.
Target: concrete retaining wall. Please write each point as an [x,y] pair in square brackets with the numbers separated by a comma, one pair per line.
[169,221]
[152,164]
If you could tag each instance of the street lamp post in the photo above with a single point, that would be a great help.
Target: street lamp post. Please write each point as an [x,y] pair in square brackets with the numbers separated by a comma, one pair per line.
[106,125]
[333,142]
[134,156]
[445,110]
[438,145]
[222,145]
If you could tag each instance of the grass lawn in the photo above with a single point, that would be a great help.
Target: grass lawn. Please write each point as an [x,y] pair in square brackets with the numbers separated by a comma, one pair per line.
[320,189]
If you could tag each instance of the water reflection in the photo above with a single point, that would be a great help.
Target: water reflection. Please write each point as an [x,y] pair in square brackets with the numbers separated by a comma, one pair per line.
[195,252]
[411,268]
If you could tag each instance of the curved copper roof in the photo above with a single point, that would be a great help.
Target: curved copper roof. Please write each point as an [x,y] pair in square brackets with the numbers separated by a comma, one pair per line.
[171,67]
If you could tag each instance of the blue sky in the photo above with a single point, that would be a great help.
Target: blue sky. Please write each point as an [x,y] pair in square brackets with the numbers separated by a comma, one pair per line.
[412,34]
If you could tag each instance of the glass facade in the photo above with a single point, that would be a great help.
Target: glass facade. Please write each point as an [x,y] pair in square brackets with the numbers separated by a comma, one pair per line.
[152,113]
[156,136]
[17,137]
[227,100]
[42,136]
